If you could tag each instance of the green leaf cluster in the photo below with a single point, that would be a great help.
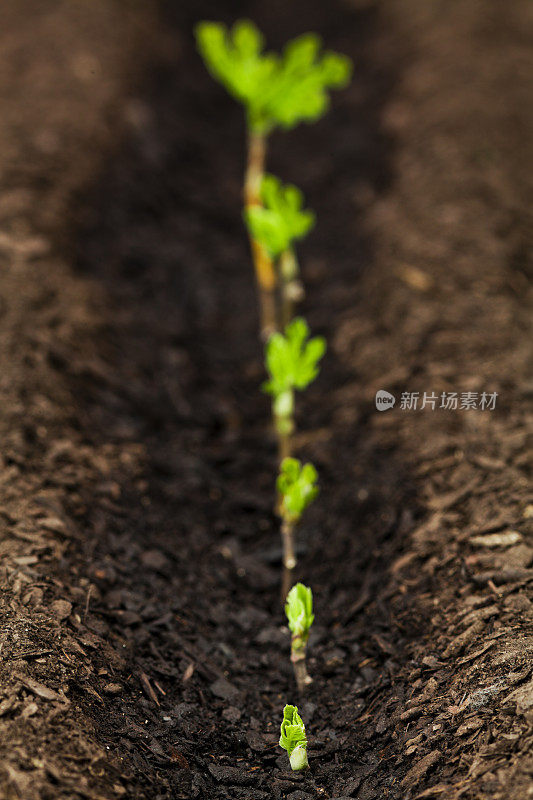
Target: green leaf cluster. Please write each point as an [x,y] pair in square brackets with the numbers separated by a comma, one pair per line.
[292,359]
[297,486]
[281,220]
[292,730]
[299,610]
[276,89]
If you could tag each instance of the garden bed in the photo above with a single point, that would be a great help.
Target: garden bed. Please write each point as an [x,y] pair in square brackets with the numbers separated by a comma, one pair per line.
[142,641]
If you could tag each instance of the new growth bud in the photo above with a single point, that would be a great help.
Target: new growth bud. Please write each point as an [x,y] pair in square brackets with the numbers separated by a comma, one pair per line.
[293,738]
[297,488]
[299,611]
[292,364]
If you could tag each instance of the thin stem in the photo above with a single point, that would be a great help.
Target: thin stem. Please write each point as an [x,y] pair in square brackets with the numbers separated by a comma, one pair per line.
[292,291]
[283,416]
[284,446]
[303,679]
[254,168]
[284,426]
[264,268]
[289,558]
[284,451]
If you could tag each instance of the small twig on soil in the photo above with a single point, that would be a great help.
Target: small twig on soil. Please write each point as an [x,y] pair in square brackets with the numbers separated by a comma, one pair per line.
[147,686]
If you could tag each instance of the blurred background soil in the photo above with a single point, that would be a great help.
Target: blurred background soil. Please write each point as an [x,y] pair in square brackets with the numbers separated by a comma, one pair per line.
[142,647]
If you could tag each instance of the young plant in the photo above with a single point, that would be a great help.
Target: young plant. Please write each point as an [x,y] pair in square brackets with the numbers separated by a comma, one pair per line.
[292,364]
[277,224]
[299,611]
[297,489]
[277,90]
[293,738]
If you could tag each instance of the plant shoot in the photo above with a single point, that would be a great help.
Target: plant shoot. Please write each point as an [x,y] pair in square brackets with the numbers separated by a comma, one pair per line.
[297,488]
[299,611]
[277,224]
[276,90]
[292,364]
[293,738]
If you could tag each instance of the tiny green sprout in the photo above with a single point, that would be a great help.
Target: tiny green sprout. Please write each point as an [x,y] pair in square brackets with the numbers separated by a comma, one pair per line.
[293,738]
[299,611]
[276,89]
[297,488]
[292,363]
[281,220]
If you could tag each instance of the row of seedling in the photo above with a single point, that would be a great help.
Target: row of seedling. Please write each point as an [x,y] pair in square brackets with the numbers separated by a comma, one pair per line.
[278,91]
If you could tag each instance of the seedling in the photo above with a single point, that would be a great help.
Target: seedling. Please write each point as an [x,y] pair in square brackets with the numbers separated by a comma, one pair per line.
[292,364]
[297,489]
[277,224]
[277,90]
[293,738]
[299,611]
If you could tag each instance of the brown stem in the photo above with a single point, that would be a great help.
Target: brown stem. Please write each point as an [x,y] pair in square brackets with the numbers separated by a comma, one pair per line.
[264,268]
[254,168]
[303,679]
[284,446]
[289,559]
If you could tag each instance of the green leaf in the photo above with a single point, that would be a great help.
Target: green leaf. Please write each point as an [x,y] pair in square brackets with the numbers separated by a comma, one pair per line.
[299,610]
[292,359]
[292,730]
[297,487]
[299,91]
[277,90]
[281,220]
[234,57]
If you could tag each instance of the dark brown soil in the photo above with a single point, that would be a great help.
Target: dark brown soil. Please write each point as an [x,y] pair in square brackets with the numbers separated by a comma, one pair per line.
[142,643]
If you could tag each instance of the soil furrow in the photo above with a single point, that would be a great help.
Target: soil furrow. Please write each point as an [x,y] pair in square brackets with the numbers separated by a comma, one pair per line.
[143,643]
